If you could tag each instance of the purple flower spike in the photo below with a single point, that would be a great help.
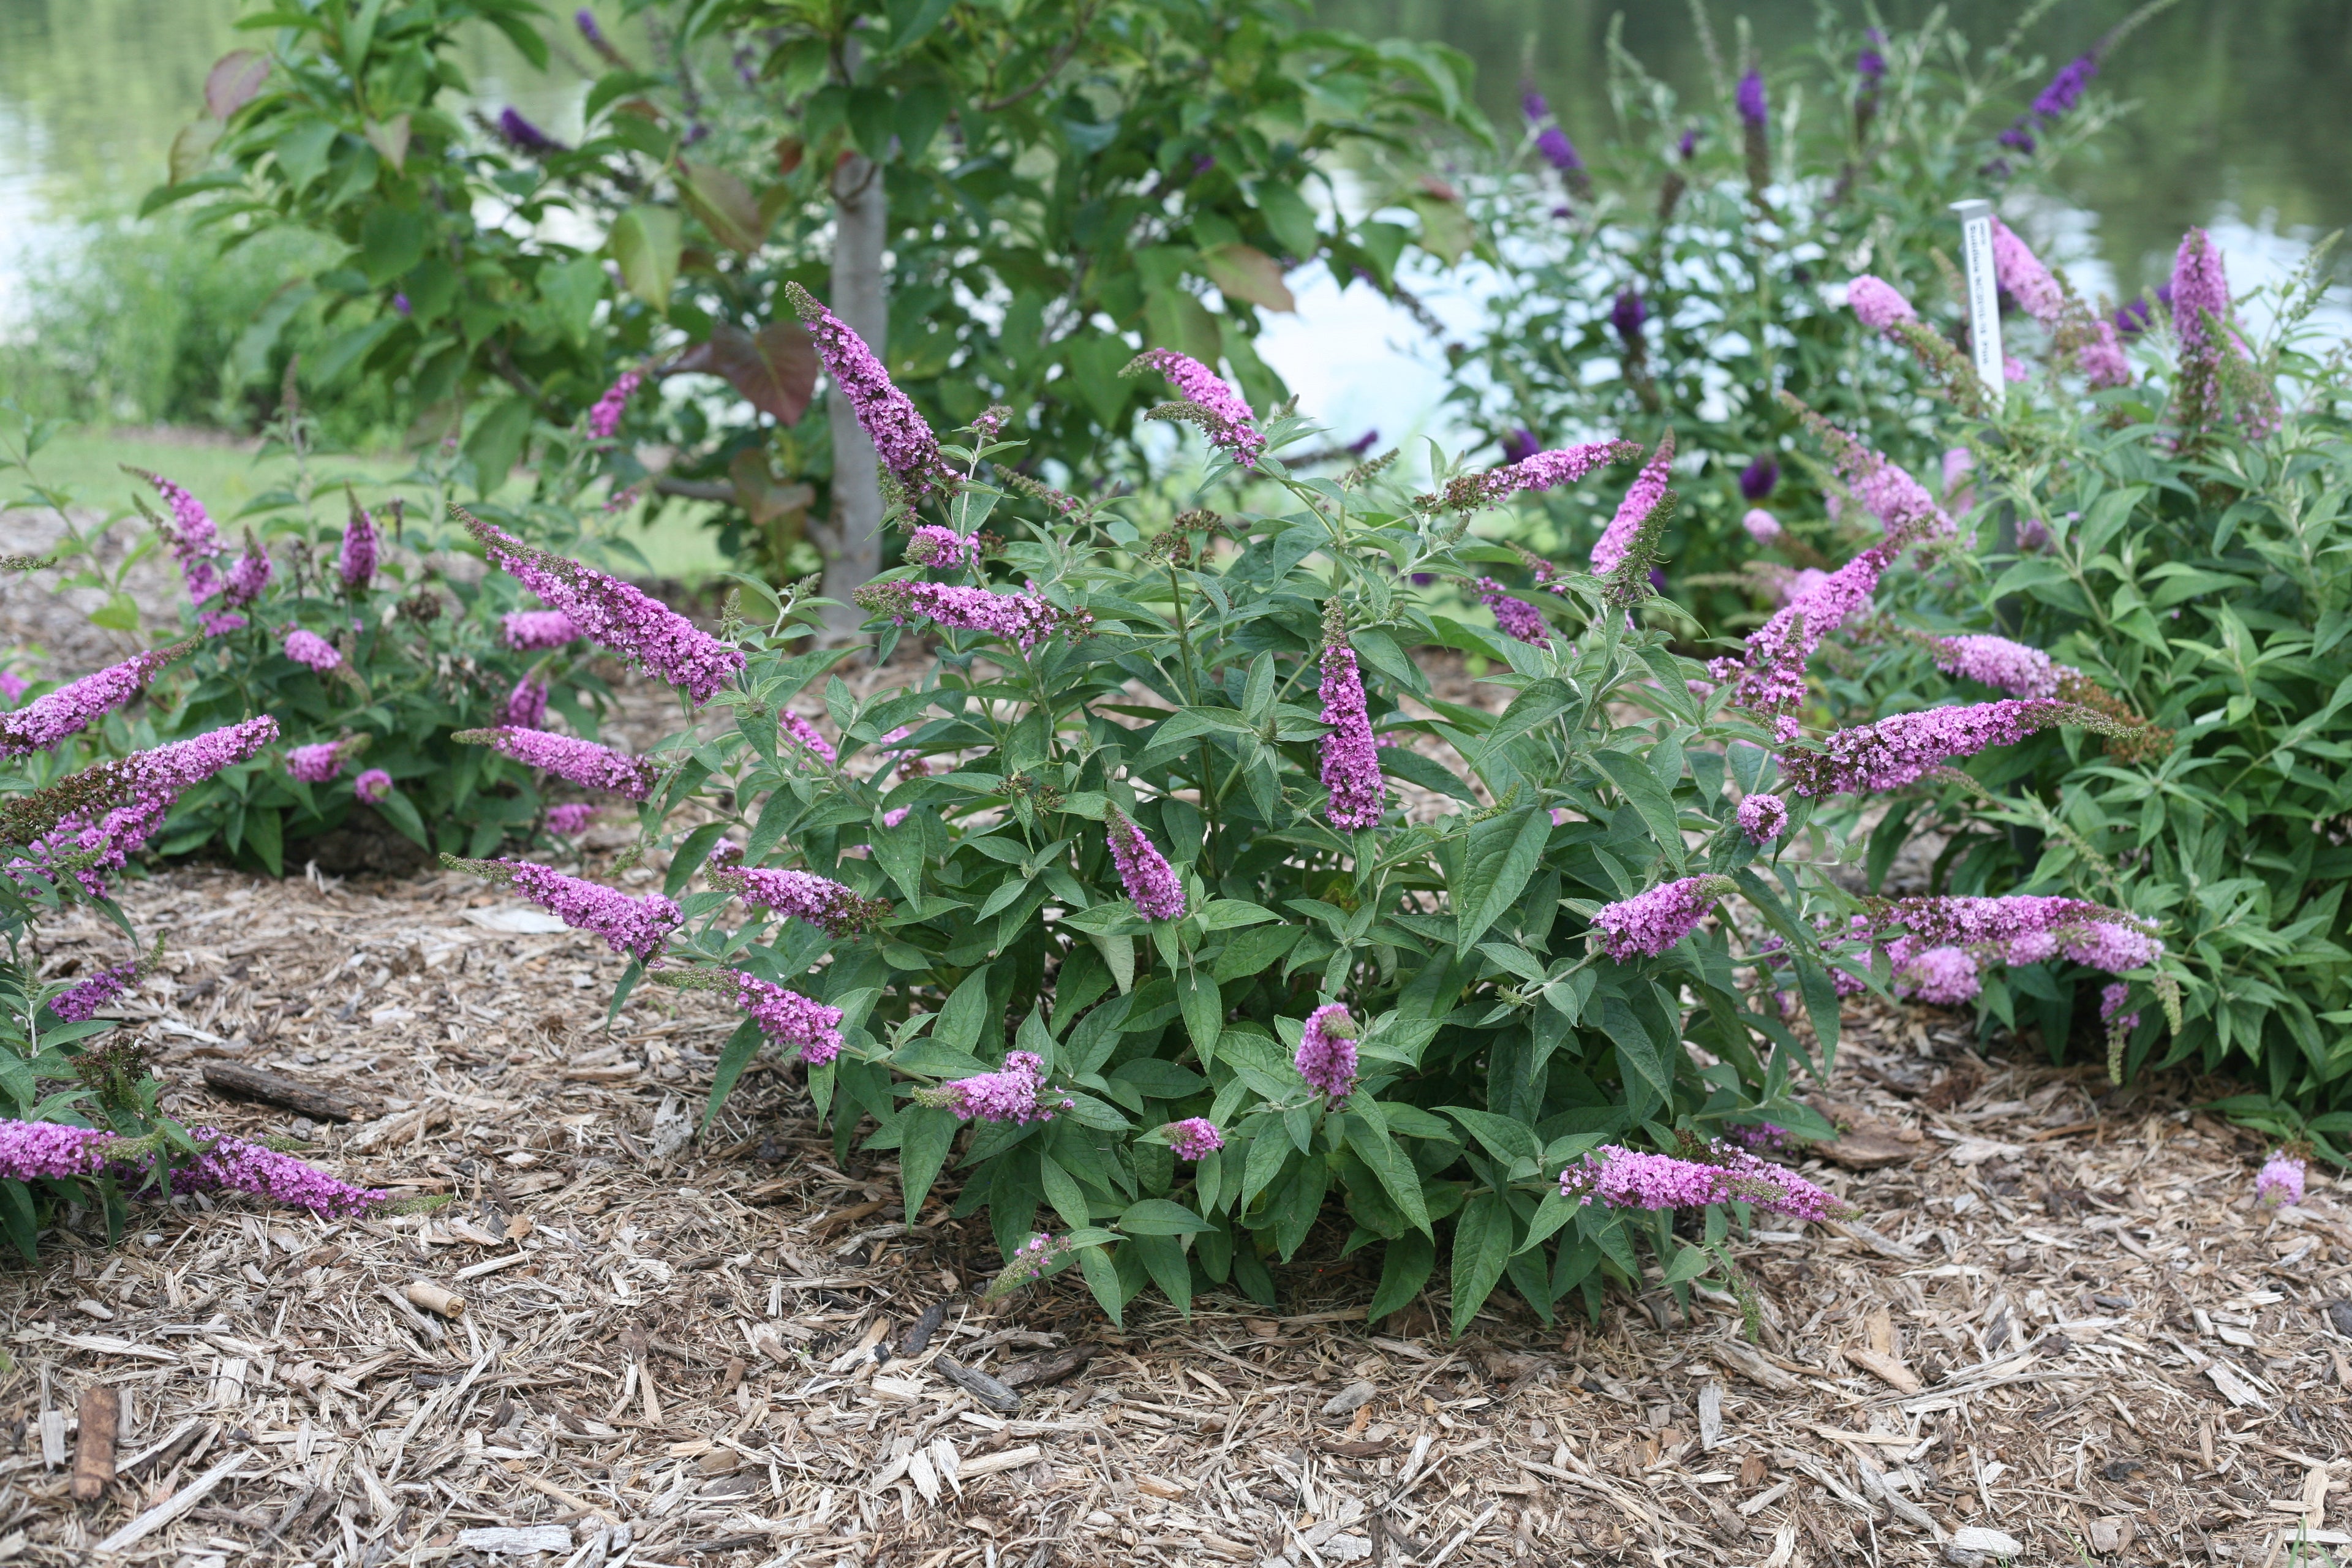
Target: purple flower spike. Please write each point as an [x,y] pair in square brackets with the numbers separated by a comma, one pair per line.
[583,762]
[942,549]
[1618,1177]
[2065,88]
[1515,617]
[1758,478]
[1627,314]
[81,1004]
[1641,499]
[1327,1052]
[1764,817]
[309,647]
[195,543]
[803,895]
[355,562]
[636,626]
[1518,445]
[1352,764]
[1908,747]
[1150,882]
[1194,1138]
[2280,1182]
[373,786]
[1878,303]
[789,1019]
[315,764]
[45,721]
[1542,471]
[1557,149]
[605,419]
[638,927]
[1023,619]
[1229,418]
[1654,922]
[524,137]
[570,819]
[2003,664]
[35,1151]
[1010,1095]
[1769,679]
[901,440]
[528,631]
[526,707]
[104,813]
[1750,98]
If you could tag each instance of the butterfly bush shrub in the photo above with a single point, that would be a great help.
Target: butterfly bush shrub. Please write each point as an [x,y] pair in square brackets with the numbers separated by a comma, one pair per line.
[1110,920]
[372,635]
[80,1124]
[1670,272]
[2120,697]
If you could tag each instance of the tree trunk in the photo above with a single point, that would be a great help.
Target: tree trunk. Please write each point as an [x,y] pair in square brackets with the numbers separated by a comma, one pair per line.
[852,542]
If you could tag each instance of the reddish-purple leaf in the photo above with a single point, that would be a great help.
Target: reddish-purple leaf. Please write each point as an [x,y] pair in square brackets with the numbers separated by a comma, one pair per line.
[237,76]
[774,368]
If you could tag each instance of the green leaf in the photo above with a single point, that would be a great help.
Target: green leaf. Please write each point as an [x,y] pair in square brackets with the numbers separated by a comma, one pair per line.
[1367,1135]
[1161,1216]
[1102,1279]
[724,204]
[1688,1264]
[1633,779]
[1204,1013]
[647,241]
[964,1018]
[1062,1190]
[1482,1246]
[1163,1257]
[733,1057]
[118,614]
[497,443]
[1225,914]
[1245,275]
[1405,1266]
[1499,857]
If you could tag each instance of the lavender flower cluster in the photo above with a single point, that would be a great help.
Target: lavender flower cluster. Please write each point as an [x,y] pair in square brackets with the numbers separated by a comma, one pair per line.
[1618,1177]
[803,895]
[2091,340]
[583,762]
[1641,498]
[81,1003]
[1763,817]
[528,631]
[789,1019]
[1150,882]
[1194,1138]
[1650,922]
[1907,748]
[46,720]
[53,1151]
[623,618]
[1326,1057]
[903,442]
[1010,1095]
[1023,619]
[2003,664]
[308,648]
[1769,679]
[1227,420]
[638,927]
[112,809]
[1538,471]
[605,419]
[942,549]
[1351,762]
[355,562]
[1515,616]
[526,705]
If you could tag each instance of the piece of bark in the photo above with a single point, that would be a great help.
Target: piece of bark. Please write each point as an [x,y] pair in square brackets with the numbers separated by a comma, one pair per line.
[101,1413]
[239,1081]
[1044,1371]
[979,1385]
[919,1337]
[436,1299]
[1888,1369]
[1348,1450]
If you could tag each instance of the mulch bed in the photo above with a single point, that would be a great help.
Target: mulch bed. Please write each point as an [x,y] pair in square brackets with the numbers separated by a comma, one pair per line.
[2060,1320]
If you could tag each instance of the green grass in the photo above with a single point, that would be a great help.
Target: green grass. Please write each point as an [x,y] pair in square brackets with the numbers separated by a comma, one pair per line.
[226,478]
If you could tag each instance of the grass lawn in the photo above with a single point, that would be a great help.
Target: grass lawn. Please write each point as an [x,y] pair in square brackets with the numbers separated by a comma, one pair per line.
[225,476]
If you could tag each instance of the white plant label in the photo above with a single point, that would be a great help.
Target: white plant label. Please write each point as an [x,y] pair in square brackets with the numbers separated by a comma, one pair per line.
[1984,297]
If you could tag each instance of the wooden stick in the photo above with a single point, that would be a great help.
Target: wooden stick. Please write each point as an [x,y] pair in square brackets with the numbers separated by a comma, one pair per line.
[436,1299]
[238,1081]
[102,1414]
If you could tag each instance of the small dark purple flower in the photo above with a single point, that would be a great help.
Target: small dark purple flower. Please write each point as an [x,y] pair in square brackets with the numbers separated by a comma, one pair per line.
[2065,88]
[1201,164]
[523,136]
[695,133]
[2019,136]
[1658,578]
[1363,443]
[1557,149]
[1751,98]
[1870,65]
[1757,478]
[1423,579]
[1627,315]
[1534,105]
[1519,444]
[588,28]
[2133,318]
[400,305]
[1688,145]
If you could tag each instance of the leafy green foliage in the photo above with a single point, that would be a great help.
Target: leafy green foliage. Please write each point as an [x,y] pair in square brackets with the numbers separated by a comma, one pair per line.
[1066,181]
[1494,1047]
[2194,574]
[1743,291]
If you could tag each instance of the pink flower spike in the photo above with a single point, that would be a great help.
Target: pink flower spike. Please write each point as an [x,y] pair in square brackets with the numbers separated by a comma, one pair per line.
[1542,471]
[1641,499]
[355,562]
[605,419]
[1023,619]
[903,442]
[1908,747]
[2280,1182]
[45,721]
[801,895]
[124,802]
[1878,303]
[1327,1052]
[942,549]
[2028,281]
[526,707]
[315,764]
[789,1019]
[1618,1177]
[638,927]
[372,786]
[195,543]
[1351,762]
[1946,976]
[1763,817]
[1010,1095]
[528,631]
[583,762]
[1150,882]
[1229,418]
[1762,526]
[2003,664]
[570,819]
[1194,1138]
[310,648]
[810,739]
[1654,922]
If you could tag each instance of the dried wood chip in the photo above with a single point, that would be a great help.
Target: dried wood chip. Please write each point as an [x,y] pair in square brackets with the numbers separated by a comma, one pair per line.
[239,1081]
[93,1471]
[979,1385]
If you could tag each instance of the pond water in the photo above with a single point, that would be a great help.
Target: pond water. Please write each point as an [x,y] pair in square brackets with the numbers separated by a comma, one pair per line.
[2244,122]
